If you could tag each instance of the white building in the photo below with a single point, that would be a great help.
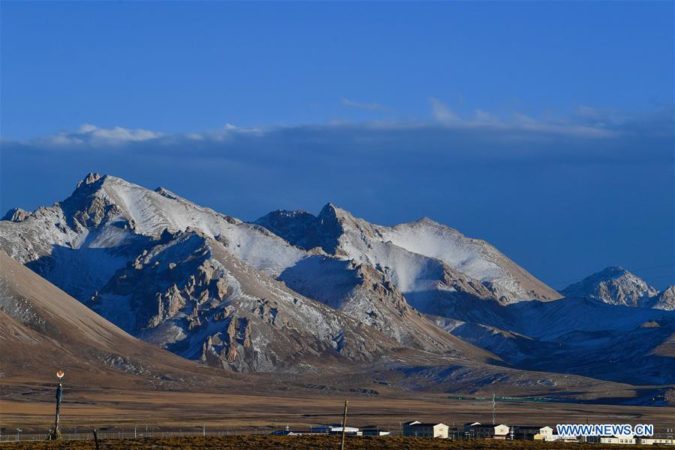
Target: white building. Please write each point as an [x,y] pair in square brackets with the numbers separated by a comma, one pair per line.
[478,431]
[625,440]
[336,429]
[501,431]
[546,434]
[431,430]
[656,441]
[374,431]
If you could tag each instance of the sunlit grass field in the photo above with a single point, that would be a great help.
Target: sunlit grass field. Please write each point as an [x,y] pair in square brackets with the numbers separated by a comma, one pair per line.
[260,442]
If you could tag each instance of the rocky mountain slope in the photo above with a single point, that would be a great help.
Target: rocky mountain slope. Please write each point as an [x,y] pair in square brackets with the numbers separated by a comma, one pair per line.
[43,329]
[574,335]
[422,256]
[298,293]
[664,299]
[615,286]
[611,325]
[213,288]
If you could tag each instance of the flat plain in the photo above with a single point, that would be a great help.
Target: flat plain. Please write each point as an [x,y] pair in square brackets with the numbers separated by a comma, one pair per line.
[243,409]
[306,443]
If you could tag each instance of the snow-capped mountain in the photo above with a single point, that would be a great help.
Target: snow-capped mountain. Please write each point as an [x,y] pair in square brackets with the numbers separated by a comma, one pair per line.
[611,326]
[613,285]
[664,299]
[479,295]
[44,328]
[41,328]
[417,257]
[297,292]
[211,287]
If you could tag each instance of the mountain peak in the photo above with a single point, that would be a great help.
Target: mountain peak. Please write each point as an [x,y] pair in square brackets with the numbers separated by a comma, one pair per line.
[94,183]
[666,299]
[331,210]
[306,230]
[89,179]
[613,285]
[283,214]
[611,272]
[428,221]
[16,215]
[90,204]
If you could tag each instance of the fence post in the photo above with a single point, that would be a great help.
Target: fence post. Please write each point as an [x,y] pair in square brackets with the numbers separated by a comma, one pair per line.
[344,425]
[95,438]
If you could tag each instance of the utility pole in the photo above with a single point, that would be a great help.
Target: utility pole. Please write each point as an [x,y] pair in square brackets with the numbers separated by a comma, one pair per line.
[56,433]
[344,425]
[95,438]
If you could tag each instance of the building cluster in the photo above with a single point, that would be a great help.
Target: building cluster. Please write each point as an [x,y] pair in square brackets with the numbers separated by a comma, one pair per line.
[628,440]
[368,430]
[476,430]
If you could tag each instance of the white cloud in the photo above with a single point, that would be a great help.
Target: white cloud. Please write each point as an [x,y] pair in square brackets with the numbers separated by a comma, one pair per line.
[442,113]
[226,132]
[363,105]
[95,136]
[89,134]
[517,122]
[585,123]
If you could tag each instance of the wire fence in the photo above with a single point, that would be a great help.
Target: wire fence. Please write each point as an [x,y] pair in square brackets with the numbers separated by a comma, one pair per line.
[127,434]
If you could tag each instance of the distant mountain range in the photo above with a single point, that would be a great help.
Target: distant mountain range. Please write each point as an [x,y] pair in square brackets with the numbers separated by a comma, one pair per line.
[297,293]
[617,286]
[42,328]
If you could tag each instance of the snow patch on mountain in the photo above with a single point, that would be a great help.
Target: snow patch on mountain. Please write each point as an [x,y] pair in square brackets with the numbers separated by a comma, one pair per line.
[294,290]
[415,256]
[665,300]
[613,285]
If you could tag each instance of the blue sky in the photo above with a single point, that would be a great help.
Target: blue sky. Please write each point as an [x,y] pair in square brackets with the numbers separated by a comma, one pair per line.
[545,128]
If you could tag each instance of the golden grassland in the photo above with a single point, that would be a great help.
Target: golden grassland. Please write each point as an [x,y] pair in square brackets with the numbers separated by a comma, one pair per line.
[259,442]
[32,409]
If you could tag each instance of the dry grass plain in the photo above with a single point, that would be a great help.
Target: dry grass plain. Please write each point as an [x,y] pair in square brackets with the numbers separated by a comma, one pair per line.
[304,443]
[31,408]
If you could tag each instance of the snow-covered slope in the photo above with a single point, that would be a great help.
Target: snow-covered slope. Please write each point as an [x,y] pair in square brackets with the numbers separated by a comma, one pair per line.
[205,285]
[664,300]
[364,294]
[582,336]
[613,285]
[297,292]
[149,213]
[420,256]
[107,221]
[472,257]
[42,328]
[189,294]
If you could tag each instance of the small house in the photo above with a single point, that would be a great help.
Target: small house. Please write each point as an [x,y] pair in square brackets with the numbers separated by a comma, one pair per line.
[626,440]
[525,432]
[500,431]
[656,441]
[479,431]
[372,430]
[431,430]
[336,429]
[288,432]
[546,434]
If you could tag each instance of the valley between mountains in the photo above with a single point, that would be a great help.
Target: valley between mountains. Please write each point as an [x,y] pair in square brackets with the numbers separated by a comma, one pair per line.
[148,286]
